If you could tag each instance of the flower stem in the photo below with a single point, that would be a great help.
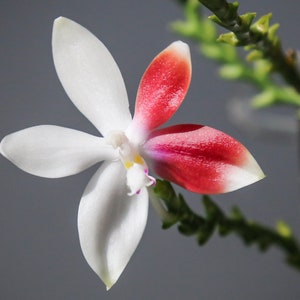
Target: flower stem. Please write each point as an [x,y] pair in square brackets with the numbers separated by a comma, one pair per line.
[215,220]
[259,36]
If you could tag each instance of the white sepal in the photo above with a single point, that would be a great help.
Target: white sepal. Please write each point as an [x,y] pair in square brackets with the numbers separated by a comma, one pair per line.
[54,151]
[90,76]
[110,222]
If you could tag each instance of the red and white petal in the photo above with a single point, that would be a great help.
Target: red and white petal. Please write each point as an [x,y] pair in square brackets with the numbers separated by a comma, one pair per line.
[53,151]
[90,76]
[163,87]
[110,222]
[201,159]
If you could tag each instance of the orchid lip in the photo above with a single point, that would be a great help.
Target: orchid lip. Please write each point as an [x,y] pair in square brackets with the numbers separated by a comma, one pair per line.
[137,170]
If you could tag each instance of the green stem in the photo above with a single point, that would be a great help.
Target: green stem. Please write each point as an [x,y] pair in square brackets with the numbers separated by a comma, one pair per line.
[233,67]
[215,220]
[264,237]
[248,36]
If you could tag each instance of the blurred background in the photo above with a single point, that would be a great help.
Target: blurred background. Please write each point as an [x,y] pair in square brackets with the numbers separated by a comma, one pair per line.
[40,256]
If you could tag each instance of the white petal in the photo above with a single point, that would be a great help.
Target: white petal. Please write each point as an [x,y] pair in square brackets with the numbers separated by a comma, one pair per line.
[110,223]
[90,76]
[53,151]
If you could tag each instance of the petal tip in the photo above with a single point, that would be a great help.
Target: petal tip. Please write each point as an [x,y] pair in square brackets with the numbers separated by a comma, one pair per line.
[57,25]
[245,175]
[109,285]
[254,168]
[2,151]
[182,50]
[61,24]
[107,281]
[181,47]
[1,148]
[60,21]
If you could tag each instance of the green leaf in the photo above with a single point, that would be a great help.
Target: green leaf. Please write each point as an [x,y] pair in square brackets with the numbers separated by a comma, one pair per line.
[264,99]
[233,8]
[219,52]
[262,25]
[272,34]
[205,233]
[247,18]
[255,55]
[231,71]
[283,229]
[236,214]
[228,38]
[216,20]
[212,210]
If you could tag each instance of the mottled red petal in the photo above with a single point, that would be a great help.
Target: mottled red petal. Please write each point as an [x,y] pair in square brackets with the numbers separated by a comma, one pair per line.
[163,87]
[201,159]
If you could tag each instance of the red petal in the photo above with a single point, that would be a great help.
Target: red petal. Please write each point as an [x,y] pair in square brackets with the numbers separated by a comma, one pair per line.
[163,87]
[201,159]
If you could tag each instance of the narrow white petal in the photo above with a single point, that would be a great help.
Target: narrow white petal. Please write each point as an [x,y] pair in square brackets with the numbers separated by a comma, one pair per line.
[90,76]
[53,151]
[110,223]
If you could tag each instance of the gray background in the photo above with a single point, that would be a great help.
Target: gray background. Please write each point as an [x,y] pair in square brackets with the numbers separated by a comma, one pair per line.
[40,257]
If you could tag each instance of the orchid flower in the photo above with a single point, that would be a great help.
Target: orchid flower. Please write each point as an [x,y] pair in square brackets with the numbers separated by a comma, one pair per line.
[114,206]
